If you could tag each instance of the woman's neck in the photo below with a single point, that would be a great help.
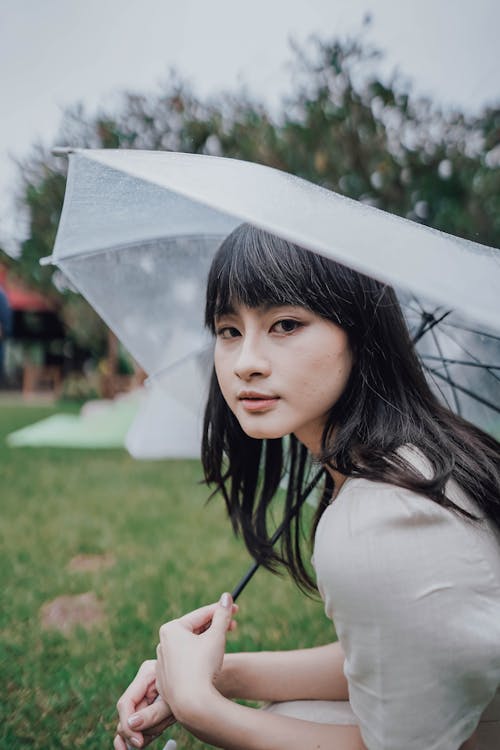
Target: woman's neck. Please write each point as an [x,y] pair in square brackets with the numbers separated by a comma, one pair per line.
[312,441]
[338,479]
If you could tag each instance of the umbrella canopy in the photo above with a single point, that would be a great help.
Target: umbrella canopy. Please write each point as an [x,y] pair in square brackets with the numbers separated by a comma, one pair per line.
[139,229]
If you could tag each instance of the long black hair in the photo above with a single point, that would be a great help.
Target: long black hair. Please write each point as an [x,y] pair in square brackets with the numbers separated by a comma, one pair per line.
[387,402]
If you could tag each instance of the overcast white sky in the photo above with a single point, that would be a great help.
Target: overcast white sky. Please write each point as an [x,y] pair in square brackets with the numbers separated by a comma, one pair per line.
[54,53]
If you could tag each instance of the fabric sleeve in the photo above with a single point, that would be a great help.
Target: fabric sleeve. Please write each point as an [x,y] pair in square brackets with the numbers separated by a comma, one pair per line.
[417,609]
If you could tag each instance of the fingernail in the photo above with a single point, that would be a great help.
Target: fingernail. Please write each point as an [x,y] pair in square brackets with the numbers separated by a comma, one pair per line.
[226,600]
[134,721]
[171,745]
[135,742]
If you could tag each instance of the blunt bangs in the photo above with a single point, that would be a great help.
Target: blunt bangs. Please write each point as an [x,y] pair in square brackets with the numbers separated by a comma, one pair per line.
[254,268]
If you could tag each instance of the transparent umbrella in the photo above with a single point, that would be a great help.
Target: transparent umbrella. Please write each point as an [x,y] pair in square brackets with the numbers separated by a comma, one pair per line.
[139,229]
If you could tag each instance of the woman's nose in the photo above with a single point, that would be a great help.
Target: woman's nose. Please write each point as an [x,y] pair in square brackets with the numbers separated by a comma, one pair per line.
[251,360]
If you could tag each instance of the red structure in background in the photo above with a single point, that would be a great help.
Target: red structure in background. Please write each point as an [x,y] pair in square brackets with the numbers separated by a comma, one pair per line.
[35,320]
[21,298]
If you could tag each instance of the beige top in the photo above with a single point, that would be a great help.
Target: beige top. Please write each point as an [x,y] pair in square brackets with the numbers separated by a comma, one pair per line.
[414,592]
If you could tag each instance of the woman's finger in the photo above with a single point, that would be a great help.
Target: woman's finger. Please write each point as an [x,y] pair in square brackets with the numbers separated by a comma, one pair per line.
[199,619]
[118,743]
[160,673]
[138,691]
[148,736]
[221,620]
[150,718]
[139,694]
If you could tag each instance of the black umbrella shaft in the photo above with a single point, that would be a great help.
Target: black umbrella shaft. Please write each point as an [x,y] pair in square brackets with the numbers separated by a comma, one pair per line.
[246,579]
[277,534]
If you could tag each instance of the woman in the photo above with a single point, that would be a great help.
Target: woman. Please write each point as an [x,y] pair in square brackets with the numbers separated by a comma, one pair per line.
[406,537]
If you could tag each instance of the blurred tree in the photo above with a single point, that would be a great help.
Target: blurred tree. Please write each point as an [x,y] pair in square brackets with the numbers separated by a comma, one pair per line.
[342,127]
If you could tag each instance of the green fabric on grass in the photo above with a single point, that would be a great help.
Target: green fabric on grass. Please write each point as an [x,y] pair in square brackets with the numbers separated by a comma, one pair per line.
[105,427]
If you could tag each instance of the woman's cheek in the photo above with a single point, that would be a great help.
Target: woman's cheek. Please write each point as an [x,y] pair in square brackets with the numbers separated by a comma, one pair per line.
[220,373]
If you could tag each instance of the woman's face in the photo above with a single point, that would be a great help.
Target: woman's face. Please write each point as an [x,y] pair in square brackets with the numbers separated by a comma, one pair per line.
[280,370]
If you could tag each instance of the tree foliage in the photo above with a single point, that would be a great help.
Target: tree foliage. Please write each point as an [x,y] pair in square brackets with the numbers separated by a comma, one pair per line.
[343,127]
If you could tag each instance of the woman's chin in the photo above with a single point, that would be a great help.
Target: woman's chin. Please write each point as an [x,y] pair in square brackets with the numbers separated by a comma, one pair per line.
[264,435]
[261,433]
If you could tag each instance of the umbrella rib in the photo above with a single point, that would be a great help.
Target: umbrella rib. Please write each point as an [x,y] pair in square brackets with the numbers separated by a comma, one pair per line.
[437,385]
[424,317]
[277,534]
[427,324]
[414,310]
[120,247]
[445,364]
[435,321]
[472,356]
[419,304]
[461,388]
[459,362]
[427,317]
[472,330]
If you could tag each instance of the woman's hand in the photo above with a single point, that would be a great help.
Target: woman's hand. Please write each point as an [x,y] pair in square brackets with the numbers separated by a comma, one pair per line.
[191,652]
[143,714]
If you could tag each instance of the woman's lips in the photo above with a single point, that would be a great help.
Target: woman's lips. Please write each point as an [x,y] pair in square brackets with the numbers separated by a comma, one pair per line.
[258,402]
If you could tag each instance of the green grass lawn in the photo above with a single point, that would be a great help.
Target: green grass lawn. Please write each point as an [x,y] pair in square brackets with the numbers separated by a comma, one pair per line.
[172,553]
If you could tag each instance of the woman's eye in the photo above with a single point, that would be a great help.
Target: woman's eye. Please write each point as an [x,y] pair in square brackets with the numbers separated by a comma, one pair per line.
[286,326]
[227,332]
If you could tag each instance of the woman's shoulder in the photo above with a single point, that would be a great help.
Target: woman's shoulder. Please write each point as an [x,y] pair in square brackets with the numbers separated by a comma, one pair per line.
[391,496]
[381,540]
[396,517]
[378,525]
[365,506]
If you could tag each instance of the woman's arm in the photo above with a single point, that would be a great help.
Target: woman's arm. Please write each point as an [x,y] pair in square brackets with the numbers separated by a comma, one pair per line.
[220,722]
[190,659]
[305,674]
